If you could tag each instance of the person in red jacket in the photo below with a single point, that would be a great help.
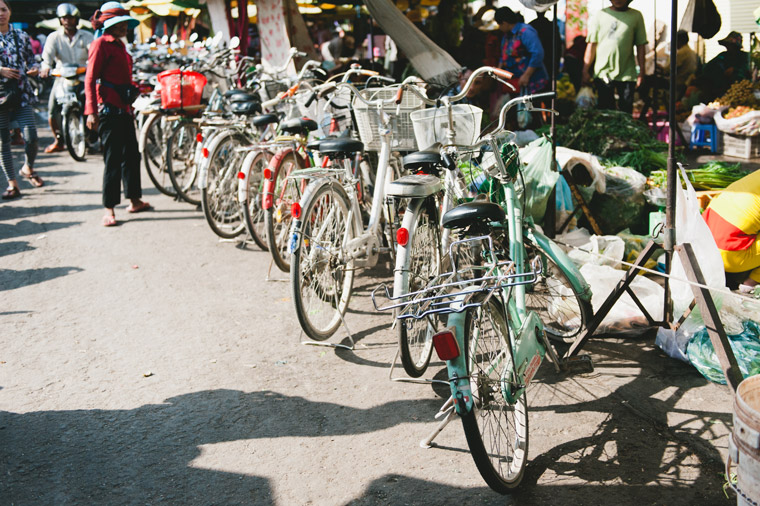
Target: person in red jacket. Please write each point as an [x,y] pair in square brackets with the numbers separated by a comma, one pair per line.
[109,71]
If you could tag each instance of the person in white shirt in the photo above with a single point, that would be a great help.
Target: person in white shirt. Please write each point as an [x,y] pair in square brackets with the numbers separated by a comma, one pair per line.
[67,45]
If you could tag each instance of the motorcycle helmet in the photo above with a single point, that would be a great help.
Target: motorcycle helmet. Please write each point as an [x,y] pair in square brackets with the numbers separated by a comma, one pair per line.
[67,10]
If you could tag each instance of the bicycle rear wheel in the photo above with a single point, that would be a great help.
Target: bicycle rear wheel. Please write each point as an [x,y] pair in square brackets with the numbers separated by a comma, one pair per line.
[278,218]
[219,199]
[321,280]
[180,161]
[496,432]
[154,134]
[253,212]
[418,263]
[559,305]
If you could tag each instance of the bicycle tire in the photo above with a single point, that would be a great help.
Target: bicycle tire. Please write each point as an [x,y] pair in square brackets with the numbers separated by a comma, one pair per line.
[496,433]
[153,137]
[417,263]
[563,311]
[75,133]
[251,204]
[278,219]
[219,198]
[181,163]
[321,283]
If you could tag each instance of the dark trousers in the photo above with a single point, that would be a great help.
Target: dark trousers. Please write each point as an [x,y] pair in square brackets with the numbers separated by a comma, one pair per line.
[121,156]
[606,92]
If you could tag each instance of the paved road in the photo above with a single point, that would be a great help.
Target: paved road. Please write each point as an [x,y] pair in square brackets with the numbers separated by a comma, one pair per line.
[152,364]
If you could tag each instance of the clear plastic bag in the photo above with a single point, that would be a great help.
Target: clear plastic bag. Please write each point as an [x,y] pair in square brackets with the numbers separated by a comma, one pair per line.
[540,176]
[585,99]
[745,345]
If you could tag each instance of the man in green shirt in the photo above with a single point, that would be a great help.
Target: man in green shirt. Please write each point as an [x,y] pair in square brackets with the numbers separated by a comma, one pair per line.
[613,33]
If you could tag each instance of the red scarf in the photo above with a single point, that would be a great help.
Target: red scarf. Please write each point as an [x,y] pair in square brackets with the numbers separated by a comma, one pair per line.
[101,17]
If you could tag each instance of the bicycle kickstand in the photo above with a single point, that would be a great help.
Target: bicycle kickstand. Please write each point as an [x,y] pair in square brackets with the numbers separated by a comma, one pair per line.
[448,412]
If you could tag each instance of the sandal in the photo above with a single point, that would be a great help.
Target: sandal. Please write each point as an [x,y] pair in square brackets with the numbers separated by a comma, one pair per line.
[109,221]
[33,178]
[54,148]
[143,206]
[11,193]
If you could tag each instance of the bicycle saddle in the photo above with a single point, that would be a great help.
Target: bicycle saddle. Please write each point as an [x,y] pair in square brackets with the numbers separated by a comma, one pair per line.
[247,108]
[298,126]
[264,119]
[240,96]
[469,213]
[428,156]
[340,146]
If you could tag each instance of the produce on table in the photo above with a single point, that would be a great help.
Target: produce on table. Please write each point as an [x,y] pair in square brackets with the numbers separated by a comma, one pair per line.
[710,176]
[740,93]
[565,88]
[735,112]
[615,137]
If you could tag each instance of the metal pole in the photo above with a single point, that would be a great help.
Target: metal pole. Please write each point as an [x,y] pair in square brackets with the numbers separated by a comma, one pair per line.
[670,209]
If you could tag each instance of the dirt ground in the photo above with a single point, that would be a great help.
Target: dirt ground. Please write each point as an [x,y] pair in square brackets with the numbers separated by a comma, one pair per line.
[151,363]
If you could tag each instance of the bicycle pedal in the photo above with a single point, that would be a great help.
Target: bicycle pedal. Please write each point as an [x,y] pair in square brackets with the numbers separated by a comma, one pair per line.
[579,364]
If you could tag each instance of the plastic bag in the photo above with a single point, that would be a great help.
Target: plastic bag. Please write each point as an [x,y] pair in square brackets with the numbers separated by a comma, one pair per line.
[691,228]
[540,176]
[611,246]
[745,345]
[625,317]
[539,5]
[622,205]
[585,99]
[746,124]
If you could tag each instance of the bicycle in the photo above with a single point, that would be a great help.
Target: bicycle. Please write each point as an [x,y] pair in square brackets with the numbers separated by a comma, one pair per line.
[494,342]
[328,239]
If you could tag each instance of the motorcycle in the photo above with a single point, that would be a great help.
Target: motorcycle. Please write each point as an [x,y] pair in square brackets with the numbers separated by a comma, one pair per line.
[70,95]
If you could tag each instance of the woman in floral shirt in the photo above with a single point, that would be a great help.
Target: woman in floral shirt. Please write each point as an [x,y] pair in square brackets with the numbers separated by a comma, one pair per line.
[521,51]
[17,62]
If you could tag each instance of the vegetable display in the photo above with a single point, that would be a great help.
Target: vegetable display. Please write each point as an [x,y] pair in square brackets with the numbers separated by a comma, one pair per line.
[710,176]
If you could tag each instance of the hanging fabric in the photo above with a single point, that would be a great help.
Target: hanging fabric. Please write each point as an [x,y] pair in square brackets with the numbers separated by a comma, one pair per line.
[701,17]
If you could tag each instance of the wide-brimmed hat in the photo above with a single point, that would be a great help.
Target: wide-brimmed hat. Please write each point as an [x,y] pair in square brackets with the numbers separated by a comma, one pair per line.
[115,20]
[488,23]
[732,38]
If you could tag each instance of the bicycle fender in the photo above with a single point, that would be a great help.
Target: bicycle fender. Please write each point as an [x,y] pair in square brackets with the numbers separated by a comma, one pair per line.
[243,175]
[295,226]
[459,381]
[556,253]
[267,195]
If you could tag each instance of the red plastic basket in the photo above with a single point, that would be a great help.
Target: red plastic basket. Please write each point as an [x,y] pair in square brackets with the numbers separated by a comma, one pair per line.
[180,88]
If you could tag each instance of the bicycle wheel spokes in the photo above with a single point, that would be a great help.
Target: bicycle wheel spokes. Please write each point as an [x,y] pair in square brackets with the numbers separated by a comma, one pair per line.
[181,161]
[254,211]
[321,280]
[564,313]
[278,219]
[496,431]
[416,336]
[220,202]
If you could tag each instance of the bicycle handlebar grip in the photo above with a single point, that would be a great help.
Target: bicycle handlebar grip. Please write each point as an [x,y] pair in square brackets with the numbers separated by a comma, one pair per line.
[548,94]
[311,99]
[502,73]
[399,95]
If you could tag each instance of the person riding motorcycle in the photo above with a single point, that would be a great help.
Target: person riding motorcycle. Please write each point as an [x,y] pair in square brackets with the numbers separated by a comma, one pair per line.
[67,45]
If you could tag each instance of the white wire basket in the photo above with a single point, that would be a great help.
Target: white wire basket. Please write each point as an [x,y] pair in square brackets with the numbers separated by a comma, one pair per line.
[432,125]
[368,119]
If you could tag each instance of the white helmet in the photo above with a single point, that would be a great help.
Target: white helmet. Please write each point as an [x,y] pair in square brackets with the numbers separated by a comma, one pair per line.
[67,10]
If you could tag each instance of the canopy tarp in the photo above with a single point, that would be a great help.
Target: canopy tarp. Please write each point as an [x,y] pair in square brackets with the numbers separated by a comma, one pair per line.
[55,24]
[432,63]
[539,5]
[164,7]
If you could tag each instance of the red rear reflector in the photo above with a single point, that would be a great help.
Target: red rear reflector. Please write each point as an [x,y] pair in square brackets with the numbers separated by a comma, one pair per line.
[402,236]
[268,173]
[199,137]
[205,152]
[295,210]
[445,344]
[241,175]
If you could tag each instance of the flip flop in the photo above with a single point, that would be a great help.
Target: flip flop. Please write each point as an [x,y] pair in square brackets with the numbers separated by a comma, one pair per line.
[54,148]
[11,193]
[109,221]
[144,206]
[33,178]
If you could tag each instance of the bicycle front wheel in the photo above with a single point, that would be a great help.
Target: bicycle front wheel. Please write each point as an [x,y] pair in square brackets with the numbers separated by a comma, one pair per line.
[321,279]
[496,432]
[219,199]
[180,161]
[277,219]
[418,262]
[563,311]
